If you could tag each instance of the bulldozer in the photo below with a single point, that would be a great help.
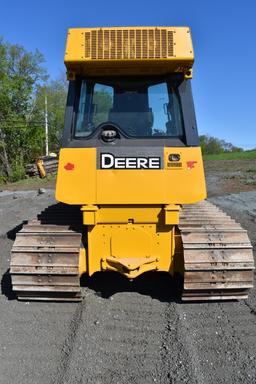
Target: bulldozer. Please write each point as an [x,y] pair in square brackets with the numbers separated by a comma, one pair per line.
[130,183]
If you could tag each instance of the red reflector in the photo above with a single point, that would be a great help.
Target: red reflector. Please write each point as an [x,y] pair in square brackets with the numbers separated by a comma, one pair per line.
[69,166]
[191,164]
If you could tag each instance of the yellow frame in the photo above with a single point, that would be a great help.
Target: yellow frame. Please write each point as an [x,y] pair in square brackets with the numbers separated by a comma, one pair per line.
[181,58]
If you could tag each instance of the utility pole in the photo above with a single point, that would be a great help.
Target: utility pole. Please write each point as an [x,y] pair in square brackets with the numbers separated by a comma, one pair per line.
[46,127]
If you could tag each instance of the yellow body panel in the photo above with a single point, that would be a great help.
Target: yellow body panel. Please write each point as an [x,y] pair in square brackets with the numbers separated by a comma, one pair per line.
[129,240]
[130,215]
[128,51]
[130,249]
[123,214]
[85,184]
[77,185]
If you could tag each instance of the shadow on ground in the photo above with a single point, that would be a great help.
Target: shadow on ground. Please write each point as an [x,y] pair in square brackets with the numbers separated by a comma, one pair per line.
[12,233]
[158,285]
[6,286]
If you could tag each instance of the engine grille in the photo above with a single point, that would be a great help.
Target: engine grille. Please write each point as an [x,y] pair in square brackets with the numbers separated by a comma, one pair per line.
[109,44]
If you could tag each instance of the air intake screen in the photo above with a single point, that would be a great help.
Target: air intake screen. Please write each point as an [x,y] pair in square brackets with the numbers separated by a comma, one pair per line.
[110,44]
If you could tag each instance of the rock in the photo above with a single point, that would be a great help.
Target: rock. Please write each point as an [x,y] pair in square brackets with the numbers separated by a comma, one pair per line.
[15,196]
[41,191]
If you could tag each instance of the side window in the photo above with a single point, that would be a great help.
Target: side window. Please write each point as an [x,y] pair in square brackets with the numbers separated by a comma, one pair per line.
[102,103]
[174,113]
[158,99]
[81,117]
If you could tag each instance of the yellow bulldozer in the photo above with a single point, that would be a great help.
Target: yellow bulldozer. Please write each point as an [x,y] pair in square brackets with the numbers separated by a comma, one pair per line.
[130,180]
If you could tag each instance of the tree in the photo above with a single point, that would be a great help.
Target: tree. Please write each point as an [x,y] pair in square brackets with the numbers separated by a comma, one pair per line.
[20,74]
[56,93]
[212,145]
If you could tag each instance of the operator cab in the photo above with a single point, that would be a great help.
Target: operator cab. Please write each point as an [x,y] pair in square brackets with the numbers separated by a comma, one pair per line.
[140,107]
[131,108]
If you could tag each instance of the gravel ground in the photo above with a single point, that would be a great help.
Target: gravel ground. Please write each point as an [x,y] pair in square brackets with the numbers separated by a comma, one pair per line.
[123,332]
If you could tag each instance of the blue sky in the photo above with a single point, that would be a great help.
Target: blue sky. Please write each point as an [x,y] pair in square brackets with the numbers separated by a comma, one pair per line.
[224,38]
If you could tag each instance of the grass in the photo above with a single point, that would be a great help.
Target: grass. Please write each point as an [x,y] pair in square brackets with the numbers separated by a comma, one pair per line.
[232,156]
[30,183]
[251,170]
[250,182]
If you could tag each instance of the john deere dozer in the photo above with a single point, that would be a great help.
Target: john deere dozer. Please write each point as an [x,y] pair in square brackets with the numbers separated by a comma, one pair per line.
[130,177]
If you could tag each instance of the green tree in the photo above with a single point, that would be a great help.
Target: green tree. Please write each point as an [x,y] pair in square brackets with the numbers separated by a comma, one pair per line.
[20,138]
[213,145]
[56,93]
